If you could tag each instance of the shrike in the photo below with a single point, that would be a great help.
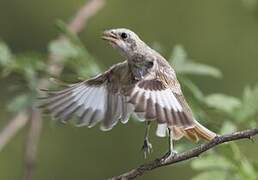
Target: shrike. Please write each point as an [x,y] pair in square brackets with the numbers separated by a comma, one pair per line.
[144,85]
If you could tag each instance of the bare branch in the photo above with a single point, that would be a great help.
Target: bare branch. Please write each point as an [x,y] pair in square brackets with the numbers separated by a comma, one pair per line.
[14,125]
[55,64]
[55,67]
[195,152]
[32,143]
[84,14]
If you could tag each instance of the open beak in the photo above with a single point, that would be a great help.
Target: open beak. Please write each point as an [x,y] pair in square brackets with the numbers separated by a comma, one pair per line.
[110,37]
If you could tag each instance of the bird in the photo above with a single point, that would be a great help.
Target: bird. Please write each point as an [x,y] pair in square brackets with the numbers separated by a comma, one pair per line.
[143,85]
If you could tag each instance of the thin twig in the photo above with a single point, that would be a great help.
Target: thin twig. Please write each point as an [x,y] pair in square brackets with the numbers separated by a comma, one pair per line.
[13,126]
[195,152]
[55,67]
[32,143]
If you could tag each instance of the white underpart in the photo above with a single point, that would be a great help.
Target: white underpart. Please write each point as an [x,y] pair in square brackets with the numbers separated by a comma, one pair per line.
[161,130]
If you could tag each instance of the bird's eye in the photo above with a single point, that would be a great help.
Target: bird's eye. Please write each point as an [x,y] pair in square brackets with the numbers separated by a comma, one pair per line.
[123,35]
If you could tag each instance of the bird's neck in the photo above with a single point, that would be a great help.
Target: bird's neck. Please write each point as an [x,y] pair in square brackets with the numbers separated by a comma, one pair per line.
[140,64]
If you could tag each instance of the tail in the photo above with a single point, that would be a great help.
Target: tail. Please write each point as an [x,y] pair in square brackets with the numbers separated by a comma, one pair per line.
[199,131]
[194,133]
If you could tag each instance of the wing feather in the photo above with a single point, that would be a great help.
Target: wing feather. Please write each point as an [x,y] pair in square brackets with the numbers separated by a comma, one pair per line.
[154,100]
[90,101]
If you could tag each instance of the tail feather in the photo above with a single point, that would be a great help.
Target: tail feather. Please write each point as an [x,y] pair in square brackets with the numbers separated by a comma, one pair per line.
[203,132]
[193,133]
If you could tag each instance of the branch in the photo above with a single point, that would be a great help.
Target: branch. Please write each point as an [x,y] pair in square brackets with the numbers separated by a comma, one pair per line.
[32,143]
[11,129]
[55,67]
[195,152]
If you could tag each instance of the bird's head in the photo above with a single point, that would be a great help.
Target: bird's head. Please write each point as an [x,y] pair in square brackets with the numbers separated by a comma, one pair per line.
[125,40]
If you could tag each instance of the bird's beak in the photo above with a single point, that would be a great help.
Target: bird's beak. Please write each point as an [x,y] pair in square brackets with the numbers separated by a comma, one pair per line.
[110,37]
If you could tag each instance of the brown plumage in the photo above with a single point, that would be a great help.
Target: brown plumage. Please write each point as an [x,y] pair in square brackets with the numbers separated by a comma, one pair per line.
[144,84]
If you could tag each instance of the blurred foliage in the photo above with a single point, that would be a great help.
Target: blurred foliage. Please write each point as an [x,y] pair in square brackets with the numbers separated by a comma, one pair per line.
[226,163]
[31,67]
[186,66]
[229,163]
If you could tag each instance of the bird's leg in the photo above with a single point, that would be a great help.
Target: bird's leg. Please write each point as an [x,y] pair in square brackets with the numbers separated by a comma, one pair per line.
[171,152]
[147,147]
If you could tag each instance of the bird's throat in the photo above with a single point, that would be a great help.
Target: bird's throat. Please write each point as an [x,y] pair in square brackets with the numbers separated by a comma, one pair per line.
[139,71]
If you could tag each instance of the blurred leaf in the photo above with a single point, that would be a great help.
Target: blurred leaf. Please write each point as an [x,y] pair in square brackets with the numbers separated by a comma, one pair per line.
[29,65]
[197,69]
[245,168]
[228,127]
[178,55]
[223,102]
[248,170]
[195,90]
[63,49]
[5,54]
[89,70]
[63,28]
[219,175]
[18,103]
[183,65]
[73,51]
[207,162]
[249,106]
[33,60]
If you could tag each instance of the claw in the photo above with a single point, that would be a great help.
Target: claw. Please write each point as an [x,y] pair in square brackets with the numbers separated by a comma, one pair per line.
[146,148]
[169,155]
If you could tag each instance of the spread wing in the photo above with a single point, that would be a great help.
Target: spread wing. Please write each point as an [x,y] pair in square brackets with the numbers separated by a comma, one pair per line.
[159,98]
[155,100]
[91,101]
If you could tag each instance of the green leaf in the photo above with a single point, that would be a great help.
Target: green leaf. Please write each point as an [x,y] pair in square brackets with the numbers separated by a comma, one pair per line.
[85,65]
[248,169]
[209,175]
[223,102]
[5,54]
[18,103]
[228,127]
[63,49]
[197,69]
[207,162]
[249,108]
[89,70]
[80,60]
[183,65]
[29,66]
[178,55]
[63,28]
[195,90]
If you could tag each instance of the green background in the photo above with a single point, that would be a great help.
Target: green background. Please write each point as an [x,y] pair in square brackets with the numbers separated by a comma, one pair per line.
[221,33]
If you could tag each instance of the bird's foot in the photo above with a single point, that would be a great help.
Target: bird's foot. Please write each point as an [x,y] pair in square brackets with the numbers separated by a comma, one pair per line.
[170,154]
[146,148]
